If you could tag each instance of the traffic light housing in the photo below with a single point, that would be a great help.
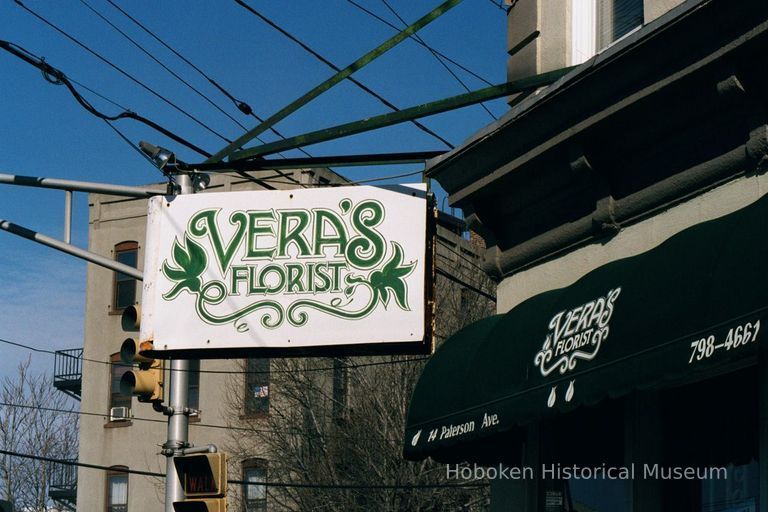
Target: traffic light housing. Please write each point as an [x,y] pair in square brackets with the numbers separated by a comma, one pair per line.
[206,505]
[146,382]
[203,478]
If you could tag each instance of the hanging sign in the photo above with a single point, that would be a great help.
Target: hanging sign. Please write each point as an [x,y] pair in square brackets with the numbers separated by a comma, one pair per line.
[300,272]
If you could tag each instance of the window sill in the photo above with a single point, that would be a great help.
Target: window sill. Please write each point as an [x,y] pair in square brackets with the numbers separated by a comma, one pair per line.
[118,424]
[254,416]
[112,311]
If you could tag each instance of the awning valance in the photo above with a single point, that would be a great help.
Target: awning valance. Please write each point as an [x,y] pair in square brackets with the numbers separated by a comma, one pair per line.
[694,306]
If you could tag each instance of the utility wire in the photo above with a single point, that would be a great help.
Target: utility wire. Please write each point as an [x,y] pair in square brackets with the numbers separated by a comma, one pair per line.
[189,86]
[271,179]
[498,3]
[131,144]
[462,256]
[431,50]
[241,105]
[421,42]
[226,372]
[159,63]
[186,83]
[122,71]
[194,424]
[333,66]
[465,284]
[57,77]
[118,469]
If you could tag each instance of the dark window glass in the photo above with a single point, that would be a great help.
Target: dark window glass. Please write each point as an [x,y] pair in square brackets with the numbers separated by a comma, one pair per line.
[600,433]
[255,494]
[117,369]
[257,386]
[616,18]
[712,426]
[125,286]
[193,398]
[117,492]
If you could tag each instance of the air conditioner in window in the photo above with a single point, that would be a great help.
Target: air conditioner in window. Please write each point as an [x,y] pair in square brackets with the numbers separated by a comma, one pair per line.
[119,414]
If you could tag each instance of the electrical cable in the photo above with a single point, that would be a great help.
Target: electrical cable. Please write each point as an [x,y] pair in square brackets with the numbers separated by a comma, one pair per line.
[442,55]
[270,179]
[228,372]
[186,83]
[241,105]
[333,66]
[499,4]
[194,424]
[159,63]
[436,56]
[463,257]
[131,144]
[121,71]
[57,77]
[465,284]
[119,469]
[448,259]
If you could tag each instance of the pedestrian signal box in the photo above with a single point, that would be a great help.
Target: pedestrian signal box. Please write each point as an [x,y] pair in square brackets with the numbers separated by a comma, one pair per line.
[203,478]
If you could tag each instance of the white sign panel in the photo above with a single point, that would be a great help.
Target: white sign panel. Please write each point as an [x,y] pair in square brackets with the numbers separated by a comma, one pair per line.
[325,269]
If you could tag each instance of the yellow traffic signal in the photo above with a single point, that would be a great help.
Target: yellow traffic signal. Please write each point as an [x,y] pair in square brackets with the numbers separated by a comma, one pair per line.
[147,381]
[207,505]
[203,478]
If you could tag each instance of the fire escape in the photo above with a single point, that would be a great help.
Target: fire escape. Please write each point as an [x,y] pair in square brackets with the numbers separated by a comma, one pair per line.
[67,378]
[68,372]
[62,485]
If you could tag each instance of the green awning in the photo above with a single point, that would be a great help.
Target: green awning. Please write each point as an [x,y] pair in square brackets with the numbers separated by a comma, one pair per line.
[692,307]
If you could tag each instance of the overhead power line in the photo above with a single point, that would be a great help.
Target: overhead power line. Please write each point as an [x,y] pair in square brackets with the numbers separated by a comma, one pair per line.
[159,63]
[333,66]
[119,469]
[419,41]
[195,424]
[233,372]
[122,71]
[57,77]
[133,146]
[465,284]
[241,105]
[435,55]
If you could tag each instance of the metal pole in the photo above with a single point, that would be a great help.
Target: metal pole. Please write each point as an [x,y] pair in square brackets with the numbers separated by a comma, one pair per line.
[67,216]
[762,424]
[70,249]
[178,420]
[335,79]
[78,186]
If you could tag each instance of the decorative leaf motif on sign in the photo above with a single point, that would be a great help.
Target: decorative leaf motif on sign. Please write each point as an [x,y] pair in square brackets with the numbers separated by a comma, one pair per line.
[390,279]
[358,296]
[191,261]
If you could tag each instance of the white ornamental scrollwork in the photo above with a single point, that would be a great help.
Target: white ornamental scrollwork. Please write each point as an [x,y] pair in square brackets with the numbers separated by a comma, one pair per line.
[568,362]
[576,334]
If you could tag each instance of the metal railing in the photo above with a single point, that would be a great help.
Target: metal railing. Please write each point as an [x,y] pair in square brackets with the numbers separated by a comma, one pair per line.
[62,484]
[68,371]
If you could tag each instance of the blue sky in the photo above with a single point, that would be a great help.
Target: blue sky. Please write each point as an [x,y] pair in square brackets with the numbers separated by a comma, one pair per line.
[44,132]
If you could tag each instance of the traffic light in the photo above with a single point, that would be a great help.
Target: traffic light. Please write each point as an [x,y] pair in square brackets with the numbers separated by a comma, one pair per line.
[147,381]
[203,478]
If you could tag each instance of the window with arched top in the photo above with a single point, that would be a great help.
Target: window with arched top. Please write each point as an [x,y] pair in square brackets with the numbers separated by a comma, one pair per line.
[124,285]
[117,489]
[254,486]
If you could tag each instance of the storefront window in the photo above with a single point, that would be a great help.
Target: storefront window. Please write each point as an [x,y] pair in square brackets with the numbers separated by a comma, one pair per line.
[712,427]
[575,449]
